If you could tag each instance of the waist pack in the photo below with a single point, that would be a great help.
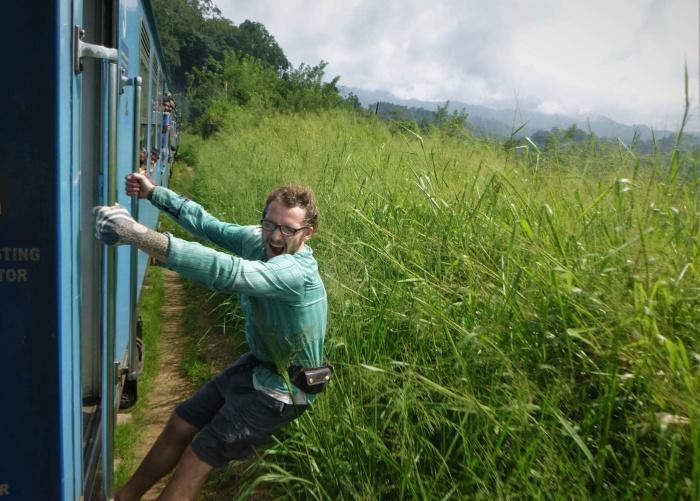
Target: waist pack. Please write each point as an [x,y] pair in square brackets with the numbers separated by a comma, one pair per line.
[308,379]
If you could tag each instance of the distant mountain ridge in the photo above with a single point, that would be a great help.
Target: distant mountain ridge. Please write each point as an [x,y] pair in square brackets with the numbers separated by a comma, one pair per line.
[500,123]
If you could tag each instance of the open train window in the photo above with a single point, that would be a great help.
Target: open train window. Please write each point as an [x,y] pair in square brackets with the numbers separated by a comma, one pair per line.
[144,73]
[156,105]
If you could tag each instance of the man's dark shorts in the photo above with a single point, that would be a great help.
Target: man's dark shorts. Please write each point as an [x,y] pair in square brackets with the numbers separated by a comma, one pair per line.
[233,417]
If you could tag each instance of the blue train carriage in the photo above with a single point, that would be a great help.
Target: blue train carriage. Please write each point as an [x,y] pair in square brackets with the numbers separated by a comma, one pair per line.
[83,92]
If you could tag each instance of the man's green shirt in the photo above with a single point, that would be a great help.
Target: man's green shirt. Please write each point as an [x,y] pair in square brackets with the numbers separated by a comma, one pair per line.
[283,298]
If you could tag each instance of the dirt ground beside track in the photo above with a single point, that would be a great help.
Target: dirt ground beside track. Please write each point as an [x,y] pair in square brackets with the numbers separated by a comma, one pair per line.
[169,385]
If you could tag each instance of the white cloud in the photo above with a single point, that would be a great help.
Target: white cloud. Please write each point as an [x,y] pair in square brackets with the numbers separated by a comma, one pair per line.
[551,108]
[622,58]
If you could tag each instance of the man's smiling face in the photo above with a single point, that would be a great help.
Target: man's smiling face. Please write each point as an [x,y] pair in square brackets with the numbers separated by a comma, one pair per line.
[276,243]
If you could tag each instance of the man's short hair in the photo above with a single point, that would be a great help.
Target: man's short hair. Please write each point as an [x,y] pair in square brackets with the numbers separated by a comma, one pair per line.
[295,195]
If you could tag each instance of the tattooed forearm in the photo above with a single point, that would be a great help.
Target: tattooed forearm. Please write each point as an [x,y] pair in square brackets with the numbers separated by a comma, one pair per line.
[151,242]
[115,226]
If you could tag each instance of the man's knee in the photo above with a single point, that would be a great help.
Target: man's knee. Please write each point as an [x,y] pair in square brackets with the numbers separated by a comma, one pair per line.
[192,460]
[179,430]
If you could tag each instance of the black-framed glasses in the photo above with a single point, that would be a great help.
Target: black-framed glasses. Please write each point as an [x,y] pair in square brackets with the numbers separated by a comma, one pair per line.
[287,231]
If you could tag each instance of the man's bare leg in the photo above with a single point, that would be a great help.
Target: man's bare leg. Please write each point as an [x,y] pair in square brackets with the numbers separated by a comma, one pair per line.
[163,456]
[190,474]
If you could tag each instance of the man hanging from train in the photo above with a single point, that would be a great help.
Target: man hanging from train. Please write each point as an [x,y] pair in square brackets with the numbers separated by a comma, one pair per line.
[275,276]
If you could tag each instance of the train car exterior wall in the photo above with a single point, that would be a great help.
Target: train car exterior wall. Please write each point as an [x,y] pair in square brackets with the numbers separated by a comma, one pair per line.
[67,305]
[29,254]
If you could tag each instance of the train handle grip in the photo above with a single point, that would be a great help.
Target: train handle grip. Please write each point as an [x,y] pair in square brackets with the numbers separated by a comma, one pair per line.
[134,368]
[82,50]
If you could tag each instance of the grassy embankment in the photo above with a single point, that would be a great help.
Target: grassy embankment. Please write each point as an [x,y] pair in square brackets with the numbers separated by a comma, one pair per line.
[502,325]
[127,433]
[195,366]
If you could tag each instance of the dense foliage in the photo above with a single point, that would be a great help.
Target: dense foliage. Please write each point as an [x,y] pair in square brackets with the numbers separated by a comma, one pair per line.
[241,80]
[215,64]
[193,31]
[507,320]
[505,323]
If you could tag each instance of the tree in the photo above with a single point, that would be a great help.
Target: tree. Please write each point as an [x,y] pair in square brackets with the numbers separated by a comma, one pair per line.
[255,40]
[573,133]
[454,124]
[180,24]
[192,31]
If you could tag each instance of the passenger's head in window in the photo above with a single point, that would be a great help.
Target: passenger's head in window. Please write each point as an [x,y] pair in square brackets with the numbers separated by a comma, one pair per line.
[142,161]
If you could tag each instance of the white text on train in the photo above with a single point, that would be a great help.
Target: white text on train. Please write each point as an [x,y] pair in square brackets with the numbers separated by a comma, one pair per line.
[12,275]
[20,254]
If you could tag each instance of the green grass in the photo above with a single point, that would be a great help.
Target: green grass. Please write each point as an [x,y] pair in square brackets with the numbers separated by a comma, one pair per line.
[127,434]
[204,312]
[503,323]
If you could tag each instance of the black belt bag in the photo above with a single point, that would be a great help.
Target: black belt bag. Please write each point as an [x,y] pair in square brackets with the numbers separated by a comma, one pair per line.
[310,380]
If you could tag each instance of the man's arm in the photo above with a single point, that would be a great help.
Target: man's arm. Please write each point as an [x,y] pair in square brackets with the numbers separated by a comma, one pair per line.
[188,214]
[115,226]
[281,278]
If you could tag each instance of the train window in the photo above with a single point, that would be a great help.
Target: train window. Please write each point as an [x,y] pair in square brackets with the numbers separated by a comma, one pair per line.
[156,100]
[144,73]
[165,128]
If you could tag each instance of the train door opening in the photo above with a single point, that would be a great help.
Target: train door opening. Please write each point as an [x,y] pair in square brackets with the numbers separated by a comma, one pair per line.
[97,21]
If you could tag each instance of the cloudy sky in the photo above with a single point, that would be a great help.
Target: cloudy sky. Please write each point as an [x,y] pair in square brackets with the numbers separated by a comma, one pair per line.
[620,58]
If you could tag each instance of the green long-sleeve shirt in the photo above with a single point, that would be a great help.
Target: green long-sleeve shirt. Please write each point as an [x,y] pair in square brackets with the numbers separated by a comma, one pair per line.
[283,298]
